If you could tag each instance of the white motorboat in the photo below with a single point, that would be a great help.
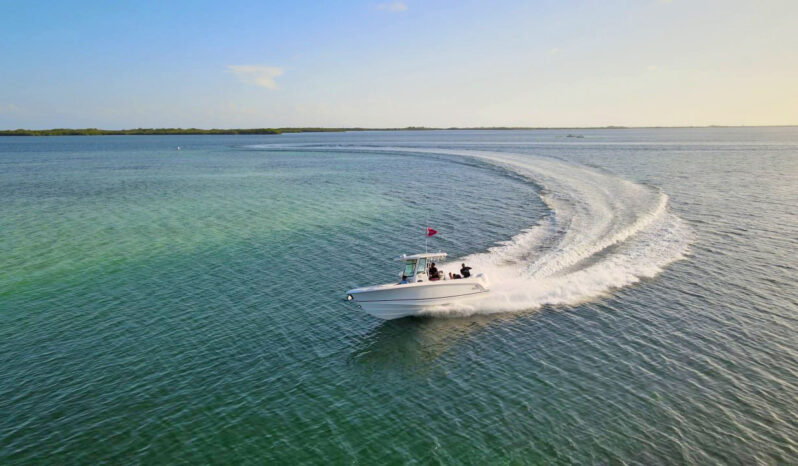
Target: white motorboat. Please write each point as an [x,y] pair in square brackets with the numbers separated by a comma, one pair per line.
[419,293]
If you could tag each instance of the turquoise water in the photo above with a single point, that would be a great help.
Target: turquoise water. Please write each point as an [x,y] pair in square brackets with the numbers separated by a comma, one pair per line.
[165,306]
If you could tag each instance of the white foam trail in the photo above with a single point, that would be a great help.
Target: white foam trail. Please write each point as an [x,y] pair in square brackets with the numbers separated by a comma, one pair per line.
[604,232]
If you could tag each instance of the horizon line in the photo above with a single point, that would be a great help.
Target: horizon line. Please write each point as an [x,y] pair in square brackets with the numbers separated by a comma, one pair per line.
[90,131]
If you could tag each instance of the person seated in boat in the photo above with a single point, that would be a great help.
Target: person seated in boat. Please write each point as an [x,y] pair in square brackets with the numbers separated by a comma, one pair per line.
[404,280]
[454,276]
[433,273]
[465,271]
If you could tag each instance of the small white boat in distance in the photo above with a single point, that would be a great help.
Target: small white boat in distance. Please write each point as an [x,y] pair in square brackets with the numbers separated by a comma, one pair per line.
[395,300]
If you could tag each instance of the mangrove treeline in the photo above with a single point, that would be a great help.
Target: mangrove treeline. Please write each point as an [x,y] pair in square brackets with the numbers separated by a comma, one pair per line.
[158,131]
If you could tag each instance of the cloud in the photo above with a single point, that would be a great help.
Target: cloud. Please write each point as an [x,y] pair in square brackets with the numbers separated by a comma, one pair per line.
[8,108]
[393,7]
[258,75]
[554,51]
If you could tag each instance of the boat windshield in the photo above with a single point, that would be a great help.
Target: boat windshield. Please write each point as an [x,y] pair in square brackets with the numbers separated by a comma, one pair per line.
[410,266]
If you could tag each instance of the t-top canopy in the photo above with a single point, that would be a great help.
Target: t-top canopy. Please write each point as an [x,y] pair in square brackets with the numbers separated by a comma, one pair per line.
[424,255]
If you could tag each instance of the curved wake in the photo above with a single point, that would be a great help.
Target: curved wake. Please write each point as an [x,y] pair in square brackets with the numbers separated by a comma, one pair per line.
[603,233]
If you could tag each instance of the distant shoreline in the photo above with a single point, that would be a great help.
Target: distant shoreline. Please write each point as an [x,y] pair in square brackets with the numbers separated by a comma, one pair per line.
[275,131]
[159,131]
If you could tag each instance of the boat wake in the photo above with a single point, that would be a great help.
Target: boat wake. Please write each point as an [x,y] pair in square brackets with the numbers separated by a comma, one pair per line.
[602,233]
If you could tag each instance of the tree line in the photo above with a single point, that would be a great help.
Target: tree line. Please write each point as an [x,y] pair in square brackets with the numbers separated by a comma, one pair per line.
[156,131]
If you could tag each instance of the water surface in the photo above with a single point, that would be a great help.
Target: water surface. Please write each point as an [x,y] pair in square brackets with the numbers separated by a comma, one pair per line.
[164,306]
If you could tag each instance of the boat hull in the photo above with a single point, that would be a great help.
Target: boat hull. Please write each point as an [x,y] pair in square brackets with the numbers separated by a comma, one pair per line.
[396,301]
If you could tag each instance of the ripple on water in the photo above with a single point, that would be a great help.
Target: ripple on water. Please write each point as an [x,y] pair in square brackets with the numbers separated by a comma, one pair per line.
[158,307]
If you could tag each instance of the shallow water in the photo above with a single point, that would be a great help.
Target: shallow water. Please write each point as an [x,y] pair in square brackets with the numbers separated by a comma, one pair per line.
[158,305]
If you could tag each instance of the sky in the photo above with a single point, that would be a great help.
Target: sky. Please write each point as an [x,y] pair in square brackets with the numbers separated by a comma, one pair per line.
[244,64]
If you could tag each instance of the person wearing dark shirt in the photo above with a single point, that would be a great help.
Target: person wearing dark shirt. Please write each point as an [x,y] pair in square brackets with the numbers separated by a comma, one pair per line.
[465,271]
[433,272]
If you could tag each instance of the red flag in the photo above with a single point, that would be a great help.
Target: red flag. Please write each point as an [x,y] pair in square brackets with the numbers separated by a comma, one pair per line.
[431,232]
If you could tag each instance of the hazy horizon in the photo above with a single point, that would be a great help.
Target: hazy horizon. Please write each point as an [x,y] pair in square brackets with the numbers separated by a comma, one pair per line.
[409,128]
[653,63]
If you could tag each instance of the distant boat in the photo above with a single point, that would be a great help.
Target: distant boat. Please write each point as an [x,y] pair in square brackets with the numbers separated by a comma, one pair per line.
[178,147]
[579,136]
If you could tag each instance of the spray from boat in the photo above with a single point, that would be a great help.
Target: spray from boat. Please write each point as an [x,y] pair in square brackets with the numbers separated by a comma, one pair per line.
[602,232]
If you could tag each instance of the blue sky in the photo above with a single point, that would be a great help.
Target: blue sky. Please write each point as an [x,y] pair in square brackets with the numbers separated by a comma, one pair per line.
[397,63]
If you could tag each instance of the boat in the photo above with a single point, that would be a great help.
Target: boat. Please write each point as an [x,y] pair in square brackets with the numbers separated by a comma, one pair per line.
[416,294]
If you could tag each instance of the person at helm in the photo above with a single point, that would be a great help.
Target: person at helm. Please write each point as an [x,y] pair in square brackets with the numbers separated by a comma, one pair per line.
[434,274]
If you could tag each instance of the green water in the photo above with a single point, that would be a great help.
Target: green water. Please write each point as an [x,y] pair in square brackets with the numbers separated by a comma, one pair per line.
[159,306]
